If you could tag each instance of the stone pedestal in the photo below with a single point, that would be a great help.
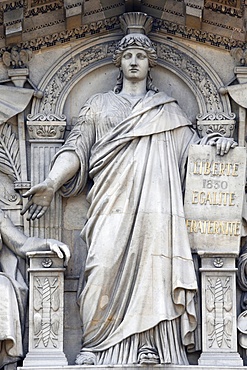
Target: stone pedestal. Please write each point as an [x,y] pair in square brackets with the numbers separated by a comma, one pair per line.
[213,207]
[46,284]
[219,327]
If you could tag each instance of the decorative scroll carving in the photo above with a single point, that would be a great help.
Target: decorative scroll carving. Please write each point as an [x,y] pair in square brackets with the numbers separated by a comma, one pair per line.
[220,122]
[219,316]
[46,304]
[35,7]
[198,35]
[43,117]
[12,5]
[231,7]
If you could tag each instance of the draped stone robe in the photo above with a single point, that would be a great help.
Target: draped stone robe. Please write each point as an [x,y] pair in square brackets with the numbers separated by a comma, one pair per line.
[139,278]
[13,301]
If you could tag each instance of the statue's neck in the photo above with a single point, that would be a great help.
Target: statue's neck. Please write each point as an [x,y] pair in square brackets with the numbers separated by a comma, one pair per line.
[134,88]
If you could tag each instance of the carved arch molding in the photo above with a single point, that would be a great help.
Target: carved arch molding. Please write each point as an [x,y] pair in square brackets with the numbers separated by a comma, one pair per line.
[179,59]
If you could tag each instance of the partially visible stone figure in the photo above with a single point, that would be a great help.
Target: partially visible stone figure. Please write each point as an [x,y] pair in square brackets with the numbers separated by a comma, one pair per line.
[13,288]
[242,283]
[137,305]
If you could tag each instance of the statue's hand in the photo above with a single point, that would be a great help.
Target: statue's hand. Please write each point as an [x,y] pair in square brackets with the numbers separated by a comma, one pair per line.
[61,249]
[40,197]
[223,144]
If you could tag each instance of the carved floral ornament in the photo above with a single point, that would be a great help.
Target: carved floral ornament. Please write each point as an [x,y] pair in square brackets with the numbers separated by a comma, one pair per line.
[72,67]
[46,129]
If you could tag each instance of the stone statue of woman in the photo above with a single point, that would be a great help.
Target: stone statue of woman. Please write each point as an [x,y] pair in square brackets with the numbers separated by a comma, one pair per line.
[137,304]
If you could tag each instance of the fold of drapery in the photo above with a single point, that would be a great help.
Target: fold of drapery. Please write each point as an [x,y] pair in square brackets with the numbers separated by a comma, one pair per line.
[139,270]
[13,100]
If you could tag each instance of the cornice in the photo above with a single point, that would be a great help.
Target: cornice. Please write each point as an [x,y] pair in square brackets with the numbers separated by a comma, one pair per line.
[105,8]
[233,8]
[209,38]
[32,7]
[103,26]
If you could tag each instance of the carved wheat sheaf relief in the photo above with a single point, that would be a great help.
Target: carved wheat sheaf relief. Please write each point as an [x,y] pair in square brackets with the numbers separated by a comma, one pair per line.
[219,304]
[46,319]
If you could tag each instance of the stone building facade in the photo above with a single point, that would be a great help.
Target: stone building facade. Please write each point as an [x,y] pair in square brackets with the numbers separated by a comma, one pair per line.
[59,53]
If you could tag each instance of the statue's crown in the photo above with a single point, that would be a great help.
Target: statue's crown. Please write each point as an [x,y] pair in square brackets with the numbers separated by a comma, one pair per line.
[136,22]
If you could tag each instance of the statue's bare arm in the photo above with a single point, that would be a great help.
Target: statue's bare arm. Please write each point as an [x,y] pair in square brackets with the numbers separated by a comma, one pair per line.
[20,244]
[41,195]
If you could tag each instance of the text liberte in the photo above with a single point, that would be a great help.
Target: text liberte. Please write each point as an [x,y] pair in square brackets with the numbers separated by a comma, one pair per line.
[202,167]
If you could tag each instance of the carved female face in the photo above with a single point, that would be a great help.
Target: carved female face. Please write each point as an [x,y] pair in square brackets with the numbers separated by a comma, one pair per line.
[135,64]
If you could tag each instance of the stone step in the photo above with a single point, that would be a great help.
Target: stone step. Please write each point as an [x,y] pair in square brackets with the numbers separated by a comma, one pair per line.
[127,367]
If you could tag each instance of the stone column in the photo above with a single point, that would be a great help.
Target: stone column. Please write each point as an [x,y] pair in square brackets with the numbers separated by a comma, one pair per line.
[46,137]
[46,287]
[219,318]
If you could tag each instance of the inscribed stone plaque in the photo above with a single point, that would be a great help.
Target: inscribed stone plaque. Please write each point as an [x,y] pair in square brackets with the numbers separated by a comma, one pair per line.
[214,198]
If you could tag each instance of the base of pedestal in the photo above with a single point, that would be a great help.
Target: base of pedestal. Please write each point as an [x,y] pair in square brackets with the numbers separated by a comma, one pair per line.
[128,367]
[220,359]
[44,359]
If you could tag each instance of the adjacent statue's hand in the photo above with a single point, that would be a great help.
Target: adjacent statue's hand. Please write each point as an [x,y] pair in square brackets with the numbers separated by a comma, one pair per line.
[61,249]
[40,197]
[223,144]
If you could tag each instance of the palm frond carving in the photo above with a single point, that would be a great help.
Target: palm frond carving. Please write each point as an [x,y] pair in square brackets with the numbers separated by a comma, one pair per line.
[9,153]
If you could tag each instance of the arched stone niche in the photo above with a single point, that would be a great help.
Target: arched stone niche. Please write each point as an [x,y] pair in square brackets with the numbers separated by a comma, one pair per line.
[88,69]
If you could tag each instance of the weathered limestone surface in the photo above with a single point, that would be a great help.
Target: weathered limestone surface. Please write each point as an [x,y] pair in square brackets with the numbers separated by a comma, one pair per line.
[214,199]
[58,54]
